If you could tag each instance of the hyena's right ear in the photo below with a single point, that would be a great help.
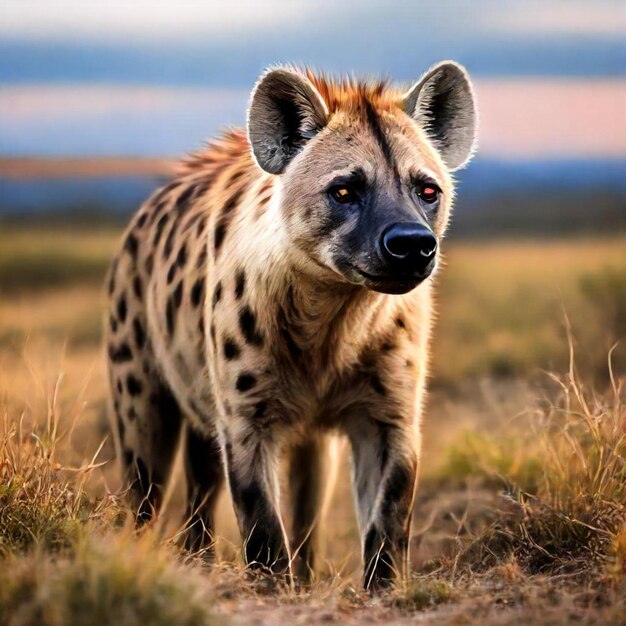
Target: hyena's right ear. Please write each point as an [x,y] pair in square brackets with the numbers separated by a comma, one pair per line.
[286,110]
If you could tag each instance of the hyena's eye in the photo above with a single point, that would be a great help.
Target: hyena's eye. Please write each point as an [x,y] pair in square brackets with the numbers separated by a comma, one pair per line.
[344,194]
[428,192]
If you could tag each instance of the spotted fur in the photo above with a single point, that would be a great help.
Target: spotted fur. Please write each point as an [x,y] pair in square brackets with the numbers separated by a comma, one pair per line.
[243,313]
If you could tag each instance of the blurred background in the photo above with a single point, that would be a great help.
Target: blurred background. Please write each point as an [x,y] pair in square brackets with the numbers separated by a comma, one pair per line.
[98,99]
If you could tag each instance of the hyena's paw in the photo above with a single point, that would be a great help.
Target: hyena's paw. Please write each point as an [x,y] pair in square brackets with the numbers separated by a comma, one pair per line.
[266,581]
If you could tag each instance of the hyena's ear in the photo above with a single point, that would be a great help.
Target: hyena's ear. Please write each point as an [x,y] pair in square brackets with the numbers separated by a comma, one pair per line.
[286,110]
[443,102]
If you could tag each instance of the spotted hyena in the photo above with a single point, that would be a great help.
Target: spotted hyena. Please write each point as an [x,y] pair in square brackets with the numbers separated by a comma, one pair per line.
[278,292]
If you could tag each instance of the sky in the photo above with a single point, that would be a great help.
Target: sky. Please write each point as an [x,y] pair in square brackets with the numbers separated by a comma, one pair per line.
[156,78]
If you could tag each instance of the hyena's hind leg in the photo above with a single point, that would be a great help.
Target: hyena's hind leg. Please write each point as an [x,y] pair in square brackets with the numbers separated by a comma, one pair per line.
[312,472]
[146,426]
[205,474]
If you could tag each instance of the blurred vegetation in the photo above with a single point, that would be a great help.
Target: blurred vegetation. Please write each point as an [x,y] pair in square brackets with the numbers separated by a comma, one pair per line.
[505,302]
[40,258]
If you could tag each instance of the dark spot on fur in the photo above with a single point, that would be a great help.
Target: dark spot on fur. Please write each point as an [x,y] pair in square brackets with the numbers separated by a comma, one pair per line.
[201,226]
[181,201]
[169,316]
[178,294]
[217,294]
[231,349]
[259,410]
[220,233]
[140,336]
[409,363]
[132,414]
[240,285]
[234,177]
[121,308]
[120,387]
[247,325]
[130,245]
[120,354]
[201,258]
[181,257]
[169,242]
[113,324]
[171,273]
[133,385]
[156,210]
[400,322]
[224,220]
[197,292]
[141,220]
[245,382]
[212,332]
[160,196]
[159,229]
[262,204]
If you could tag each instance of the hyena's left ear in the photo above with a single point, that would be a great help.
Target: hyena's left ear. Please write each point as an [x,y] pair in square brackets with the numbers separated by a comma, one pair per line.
[286,110]
[443,102]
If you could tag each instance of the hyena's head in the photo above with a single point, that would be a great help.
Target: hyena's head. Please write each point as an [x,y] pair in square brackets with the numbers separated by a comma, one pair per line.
[365,169]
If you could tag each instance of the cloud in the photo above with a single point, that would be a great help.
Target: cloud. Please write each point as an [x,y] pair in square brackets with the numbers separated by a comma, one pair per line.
[165,20]
[538,18]
[147,19]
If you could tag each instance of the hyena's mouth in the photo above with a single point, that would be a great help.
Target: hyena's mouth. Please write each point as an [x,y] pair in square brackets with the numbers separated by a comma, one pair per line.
[392,284]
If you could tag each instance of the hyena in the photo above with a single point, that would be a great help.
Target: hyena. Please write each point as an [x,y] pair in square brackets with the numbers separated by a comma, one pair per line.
[278,292]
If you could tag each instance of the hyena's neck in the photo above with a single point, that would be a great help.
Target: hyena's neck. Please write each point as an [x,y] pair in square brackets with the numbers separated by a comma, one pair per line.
[311,314]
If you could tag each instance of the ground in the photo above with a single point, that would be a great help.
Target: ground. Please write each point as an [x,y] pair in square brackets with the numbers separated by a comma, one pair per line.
[520,515]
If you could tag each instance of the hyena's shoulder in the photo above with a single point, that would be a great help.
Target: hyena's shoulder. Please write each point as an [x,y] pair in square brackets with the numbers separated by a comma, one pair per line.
[177,213]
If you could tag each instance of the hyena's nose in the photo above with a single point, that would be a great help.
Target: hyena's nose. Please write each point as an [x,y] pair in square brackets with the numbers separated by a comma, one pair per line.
[408,246]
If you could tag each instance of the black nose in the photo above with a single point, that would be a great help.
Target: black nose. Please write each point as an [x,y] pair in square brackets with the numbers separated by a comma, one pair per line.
[408,246]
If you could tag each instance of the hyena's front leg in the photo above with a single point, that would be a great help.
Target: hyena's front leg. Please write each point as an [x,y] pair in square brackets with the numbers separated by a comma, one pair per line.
[385,472]
[251,467]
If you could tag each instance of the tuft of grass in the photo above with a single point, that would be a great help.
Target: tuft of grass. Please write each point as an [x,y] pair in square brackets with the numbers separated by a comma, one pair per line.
[566,516]
[424,593]
[42,503]
[117,582]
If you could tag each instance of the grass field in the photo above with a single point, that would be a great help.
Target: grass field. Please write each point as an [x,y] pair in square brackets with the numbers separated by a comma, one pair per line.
[520,516]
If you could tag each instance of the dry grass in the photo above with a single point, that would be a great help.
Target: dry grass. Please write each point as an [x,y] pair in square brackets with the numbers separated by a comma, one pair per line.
[520,515]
